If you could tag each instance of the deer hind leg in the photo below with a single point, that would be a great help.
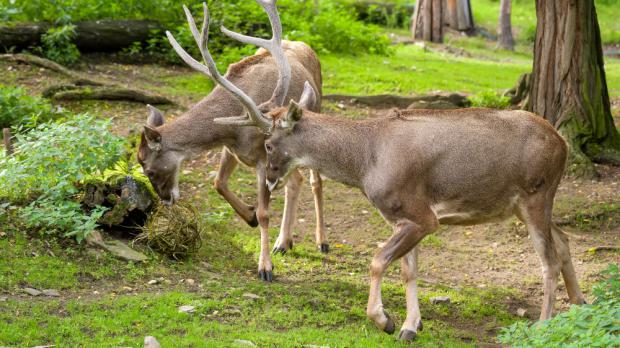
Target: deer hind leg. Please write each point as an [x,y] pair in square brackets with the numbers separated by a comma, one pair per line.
[291,198]
[228,163]
[407,234]
[317,190]
[535,212]
[413,322]
[568,271]
[265,267]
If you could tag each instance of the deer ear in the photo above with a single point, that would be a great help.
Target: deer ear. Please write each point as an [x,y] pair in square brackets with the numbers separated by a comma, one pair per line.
[308,96]
[155,118]
[293,115]
[153,138]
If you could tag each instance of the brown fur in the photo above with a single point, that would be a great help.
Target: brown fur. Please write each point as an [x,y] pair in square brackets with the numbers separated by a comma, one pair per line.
[421,168]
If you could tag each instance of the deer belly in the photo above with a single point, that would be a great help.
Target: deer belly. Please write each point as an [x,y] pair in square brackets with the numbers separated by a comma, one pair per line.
[470,213]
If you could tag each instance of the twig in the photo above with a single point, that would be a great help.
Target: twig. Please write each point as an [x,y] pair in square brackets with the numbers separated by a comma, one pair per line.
[8,145]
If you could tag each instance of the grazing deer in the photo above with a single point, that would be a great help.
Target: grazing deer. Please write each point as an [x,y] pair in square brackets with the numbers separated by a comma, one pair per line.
[279,66]
[422,168]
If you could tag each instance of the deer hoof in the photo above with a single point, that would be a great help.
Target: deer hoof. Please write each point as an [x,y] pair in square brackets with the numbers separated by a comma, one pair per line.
[279,250]
[254,221]
[265,275]
[407,335]
[420,326]
[324,248]
[389,327]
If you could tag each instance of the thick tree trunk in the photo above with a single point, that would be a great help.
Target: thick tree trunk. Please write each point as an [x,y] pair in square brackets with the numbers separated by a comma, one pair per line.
[431,16]
[97,36]
[505,39]
[568,82]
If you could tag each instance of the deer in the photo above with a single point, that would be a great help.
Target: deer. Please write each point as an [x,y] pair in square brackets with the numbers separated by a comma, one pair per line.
[423,168]
[280,66]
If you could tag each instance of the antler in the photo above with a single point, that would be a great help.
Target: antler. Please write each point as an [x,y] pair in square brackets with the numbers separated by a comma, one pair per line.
[274,46]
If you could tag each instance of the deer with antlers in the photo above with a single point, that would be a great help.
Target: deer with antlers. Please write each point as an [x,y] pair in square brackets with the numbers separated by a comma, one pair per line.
[279,66]
[422,168]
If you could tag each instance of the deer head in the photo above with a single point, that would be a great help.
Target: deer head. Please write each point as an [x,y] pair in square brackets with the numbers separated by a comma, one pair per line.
[160,160]
[280,163]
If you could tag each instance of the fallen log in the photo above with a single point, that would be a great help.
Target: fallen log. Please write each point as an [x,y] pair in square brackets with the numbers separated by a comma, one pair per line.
[83,87]
[386,101]
[92,36]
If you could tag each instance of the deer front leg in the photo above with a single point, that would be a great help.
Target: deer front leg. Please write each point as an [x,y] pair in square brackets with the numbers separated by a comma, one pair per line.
[409,272]
[291,198]
[265,267]
[317,191]
[407,234]
[228,163]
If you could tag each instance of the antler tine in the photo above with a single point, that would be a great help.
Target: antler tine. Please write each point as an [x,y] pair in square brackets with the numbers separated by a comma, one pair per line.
[210,69]
[274,46]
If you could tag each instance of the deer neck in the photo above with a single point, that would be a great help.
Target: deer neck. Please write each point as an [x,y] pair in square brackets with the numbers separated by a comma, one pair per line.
[340,149]
[195,131]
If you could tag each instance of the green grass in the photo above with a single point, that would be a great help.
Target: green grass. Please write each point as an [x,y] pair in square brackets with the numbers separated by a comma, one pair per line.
[412,69]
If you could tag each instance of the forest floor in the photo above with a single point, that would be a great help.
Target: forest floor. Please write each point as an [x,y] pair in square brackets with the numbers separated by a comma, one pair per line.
[489,271]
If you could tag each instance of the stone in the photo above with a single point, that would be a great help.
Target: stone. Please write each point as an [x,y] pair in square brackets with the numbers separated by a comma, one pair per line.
[151,342]
[32,292]
[187,309]
[251,296]
[244,343]
[440,299]
[51,292]
[521,312]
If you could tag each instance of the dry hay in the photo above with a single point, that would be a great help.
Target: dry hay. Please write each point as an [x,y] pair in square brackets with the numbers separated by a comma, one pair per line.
[175,231]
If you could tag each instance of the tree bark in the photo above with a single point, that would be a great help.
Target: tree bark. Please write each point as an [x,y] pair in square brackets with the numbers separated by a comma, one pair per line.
[431,16]
[569,88]
[92,36]
[505,39]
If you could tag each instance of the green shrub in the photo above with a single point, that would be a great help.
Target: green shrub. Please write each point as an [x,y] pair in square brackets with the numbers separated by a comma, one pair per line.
[48,163]
[58,45]
[490,99]
[595,325]
[19,109]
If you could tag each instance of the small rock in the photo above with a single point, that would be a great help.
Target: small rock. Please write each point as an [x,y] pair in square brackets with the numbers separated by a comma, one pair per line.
[440,299]
[190,281]
[244,343]
[51,292]
[32,292]
[127,288]
[151,342]
[187,309]
[521,312]
[340,106]
[186,171]
[152,282]
[251,296]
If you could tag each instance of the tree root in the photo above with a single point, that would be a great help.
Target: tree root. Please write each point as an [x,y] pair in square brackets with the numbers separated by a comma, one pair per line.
[383,101]
[83,87]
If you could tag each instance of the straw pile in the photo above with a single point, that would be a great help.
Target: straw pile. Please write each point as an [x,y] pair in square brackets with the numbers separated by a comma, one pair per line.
[175,231]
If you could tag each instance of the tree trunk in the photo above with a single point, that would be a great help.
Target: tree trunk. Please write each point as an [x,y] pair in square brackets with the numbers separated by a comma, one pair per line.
[568,82]
[92,36]
[428,21]
[431,16]
[505,39]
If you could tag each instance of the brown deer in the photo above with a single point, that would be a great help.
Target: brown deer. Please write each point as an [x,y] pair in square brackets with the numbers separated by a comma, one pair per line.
[280,67]
[422,168]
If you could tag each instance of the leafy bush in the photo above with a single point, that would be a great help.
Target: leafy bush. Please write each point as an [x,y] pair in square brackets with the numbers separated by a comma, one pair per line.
[48,163]
[58,45]
[490,99]
[595,325]
[19,109]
